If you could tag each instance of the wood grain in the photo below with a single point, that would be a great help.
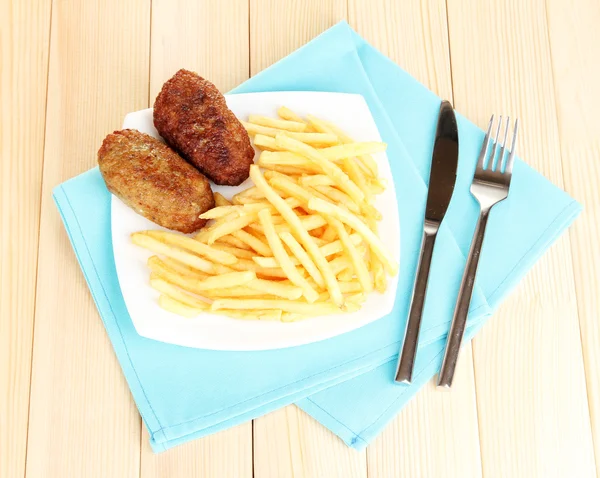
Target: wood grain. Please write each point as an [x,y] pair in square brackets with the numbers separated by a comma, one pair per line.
[227,453]
[574,50]
[277,28]
[290,443]
[531,394]
[435,435]
[210,38]
[414,34]
[24,38]
[82,419]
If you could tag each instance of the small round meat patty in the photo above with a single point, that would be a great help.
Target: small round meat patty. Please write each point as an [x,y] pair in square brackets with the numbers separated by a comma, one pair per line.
[154,180]
[191,115]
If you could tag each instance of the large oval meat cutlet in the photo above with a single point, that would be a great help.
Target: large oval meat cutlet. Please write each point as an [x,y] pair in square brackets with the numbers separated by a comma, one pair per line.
[154,180]
[191,115]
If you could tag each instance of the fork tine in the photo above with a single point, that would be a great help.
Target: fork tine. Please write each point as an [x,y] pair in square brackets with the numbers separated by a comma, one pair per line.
[503,147]
[496,137]
[484,147]
[511,157]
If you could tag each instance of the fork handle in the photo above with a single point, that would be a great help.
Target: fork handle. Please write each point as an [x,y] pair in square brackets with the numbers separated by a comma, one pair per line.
[406,360]
[459,321]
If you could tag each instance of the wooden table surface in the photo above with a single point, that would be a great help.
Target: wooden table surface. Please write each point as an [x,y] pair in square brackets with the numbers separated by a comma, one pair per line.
[526,402]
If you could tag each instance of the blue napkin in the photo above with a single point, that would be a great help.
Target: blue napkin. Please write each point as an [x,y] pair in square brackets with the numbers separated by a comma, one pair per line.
[344,382]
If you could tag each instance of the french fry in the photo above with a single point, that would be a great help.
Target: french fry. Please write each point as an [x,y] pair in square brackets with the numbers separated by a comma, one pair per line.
[222,281]
[205,232]
[316,180]
[304,308]
[282,257]
[233,242]
[301,234]
[167,264]
[369,164]
[358,263]
[286,125]
[340,178]
[309,223]
[375,186]
[172,305]
[287,114]
[236,292]
[327,250]
[276,288]
[345,276]
[353,171]
[285,158]
[328,127]
[192,245]
[329,235]
[302,257]
[379,276]
[219,211]
[220,200]
[257,206]
[366,162]
[236,251]
[247,265]
[288,186]
[173,292]
[354,222]
[349,287]
[308,138]
[350,150]
[252,241]
[252,192]
[338,264]
[265,143]
[158,247]
[338,197]
[290,170]
[228,226]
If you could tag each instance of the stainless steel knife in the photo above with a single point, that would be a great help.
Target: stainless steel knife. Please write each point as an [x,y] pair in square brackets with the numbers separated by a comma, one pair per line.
[442,177]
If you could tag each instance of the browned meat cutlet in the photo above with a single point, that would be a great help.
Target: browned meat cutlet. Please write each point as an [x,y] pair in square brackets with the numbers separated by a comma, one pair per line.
[191,115]
[154,180]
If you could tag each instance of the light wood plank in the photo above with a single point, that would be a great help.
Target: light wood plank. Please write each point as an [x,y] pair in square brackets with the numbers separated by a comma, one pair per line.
[278,28]
[415,35]
[435,435]
[574,50]
[24,43]
[290,443]
[227,453]
[210,38]
[532,404]
[83,421]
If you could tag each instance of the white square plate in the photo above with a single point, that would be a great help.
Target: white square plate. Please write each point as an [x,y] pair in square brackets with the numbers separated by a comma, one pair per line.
[351,113]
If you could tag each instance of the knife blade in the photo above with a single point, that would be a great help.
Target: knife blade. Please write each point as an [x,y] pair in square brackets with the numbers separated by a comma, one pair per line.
[442,177]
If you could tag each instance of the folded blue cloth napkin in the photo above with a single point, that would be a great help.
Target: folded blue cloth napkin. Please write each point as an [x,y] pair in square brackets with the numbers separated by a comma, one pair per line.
[344,382]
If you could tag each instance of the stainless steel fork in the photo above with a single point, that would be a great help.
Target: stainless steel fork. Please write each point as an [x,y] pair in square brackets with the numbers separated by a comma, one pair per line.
[490,186]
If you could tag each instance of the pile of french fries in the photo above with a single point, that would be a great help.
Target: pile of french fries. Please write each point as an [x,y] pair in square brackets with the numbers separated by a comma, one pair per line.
[301,242]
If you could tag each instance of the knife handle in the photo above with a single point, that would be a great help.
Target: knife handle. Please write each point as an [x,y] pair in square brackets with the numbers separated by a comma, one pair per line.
[406,361]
